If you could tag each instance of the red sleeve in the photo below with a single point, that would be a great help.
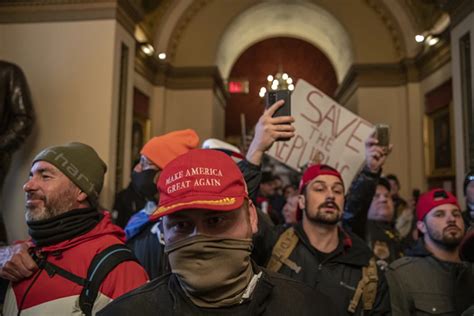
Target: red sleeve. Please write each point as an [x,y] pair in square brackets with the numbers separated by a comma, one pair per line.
[125,277]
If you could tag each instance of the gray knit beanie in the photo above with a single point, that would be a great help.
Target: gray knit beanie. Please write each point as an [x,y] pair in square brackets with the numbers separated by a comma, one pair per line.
[80,163]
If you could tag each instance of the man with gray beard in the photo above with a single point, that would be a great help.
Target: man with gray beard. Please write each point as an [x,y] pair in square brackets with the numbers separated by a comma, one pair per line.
[428,281]
[68,233]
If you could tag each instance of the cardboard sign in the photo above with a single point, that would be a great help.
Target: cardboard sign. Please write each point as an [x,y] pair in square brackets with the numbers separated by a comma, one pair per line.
[325,131]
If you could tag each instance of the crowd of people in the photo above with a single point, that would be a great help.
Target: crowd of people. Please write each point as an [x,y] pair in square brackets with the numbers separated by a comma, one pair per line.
[207,232]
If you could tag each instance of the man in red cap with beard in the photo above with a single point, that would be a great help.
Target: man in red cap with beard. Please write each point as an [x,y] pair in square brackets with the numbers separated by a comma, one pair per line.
[425,282]
[320,253]
[208,223]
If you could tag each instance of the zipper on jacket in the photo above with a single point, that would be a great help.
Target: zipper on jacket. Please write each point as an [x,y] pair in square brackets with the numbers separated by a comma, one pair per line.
[347,286]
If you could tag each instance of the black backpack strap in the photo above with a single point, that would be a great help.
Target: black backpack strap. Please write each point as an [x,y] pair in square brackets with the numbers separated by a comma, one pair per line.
[102,264]
[53,269]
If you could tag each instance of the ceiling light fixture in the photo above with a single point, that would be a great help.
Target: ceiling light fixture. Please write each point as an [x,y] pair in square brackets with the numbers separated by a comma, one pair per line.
[280,81]
[147,49]
[433,41]
[419,38]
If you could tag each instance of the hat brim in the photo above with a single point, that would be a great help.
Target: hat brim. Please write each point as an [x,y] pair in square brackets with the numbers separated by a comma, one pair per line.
[202,202]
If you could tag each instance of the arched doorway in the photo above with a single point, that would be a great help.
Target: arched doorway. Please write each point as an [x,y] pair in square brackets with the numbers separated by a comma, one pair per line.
[296,57]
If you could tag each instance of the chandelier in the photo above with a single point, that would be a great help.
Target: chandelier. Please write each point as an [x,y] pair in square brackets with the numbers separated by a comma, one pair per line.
[280,81]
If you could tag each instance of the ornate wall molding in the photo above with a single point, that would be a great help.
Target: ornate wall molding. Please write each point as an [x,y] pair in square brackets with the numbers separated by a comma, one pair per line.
[181,26]
[126,12]
[391,23]
[371,75]
[424,13]
[147,66]
[395,74]
[435,58]
[154,19]
[177,78]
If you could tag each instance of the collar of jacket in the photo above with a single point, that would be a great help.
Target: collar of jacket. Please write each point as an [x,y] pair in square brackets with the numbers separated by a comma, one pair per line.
[355,251]
[418,250]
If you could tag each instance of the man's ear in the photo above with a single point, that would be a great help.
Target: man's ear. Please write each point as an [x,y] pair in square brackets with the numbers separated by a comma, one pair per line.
[253,217]
[301,201]
[421,227]
[82,197]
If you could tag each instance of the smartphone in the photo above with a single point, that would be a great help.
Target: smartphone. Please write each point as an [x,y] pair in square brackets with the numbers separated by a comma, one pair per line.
[382,133]
[272,96]
[285,110]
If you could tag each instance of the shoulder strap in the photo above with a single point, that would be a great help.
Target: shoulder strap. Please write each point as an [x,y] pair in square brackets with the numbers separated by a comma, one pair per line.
[53,269]
[102,264]
[370,289]
[366,288]
[282,250]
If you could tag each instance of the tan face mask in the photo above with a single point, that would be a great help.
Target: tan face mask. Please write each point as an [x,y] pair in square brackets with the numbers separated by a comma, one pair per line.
[212,271]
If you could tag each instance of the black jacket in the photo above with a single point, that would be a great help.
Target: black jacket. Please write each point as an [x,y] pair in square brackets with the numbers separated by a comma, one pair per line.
[381,237]
[468,220]
[127,202]
[149,251]
[274,295]
[357,202]
[420,284]
[384,241]
[252,175]
[338,275]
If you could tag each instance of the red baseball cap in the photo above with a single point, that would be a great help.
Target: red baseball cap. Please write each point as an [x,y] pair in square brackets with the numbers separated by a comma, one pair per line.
[433,198]
[315,171]
[200,179]
[311,173]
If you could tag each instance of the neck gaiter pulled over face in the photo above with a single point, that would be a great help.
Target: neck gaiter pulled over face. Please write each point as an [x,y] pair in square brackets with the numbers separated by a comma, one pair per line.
[213,271]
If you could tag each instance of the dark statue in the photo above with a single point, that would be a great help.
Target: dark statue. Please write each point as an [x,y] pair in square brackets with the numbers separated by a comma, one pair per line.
[16,118]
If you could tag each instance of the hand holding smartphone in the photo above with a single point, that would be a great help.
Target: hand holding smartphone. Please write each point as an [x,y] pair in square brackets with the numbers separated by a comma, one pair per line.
[273,96]
[382,133]
[284,110]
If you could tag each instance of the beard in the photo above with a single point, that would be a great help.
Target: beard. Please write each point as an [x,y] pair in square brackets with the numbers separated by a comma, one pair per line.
[52,205]
[448,239]
[321,217]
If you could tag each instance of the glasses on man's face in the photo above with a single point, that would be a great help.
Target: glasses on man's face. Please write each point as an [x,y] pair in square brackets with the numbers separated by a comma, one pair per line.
[147,164]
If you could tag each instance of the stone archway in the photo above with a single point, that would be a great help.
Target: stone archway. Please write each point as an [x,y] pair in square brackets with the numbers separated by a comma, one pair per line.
[302,20]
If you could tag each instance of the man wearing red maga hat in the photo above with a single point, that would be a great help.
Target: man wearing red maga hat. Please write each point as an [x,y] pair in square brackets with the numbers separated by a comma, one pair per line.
[322,254]
[208,223]
[433,279]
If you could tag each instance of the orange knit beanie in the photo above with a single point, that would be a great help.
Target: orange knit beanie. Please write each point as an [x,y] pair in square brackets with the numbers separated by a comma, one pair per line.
[162,149]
